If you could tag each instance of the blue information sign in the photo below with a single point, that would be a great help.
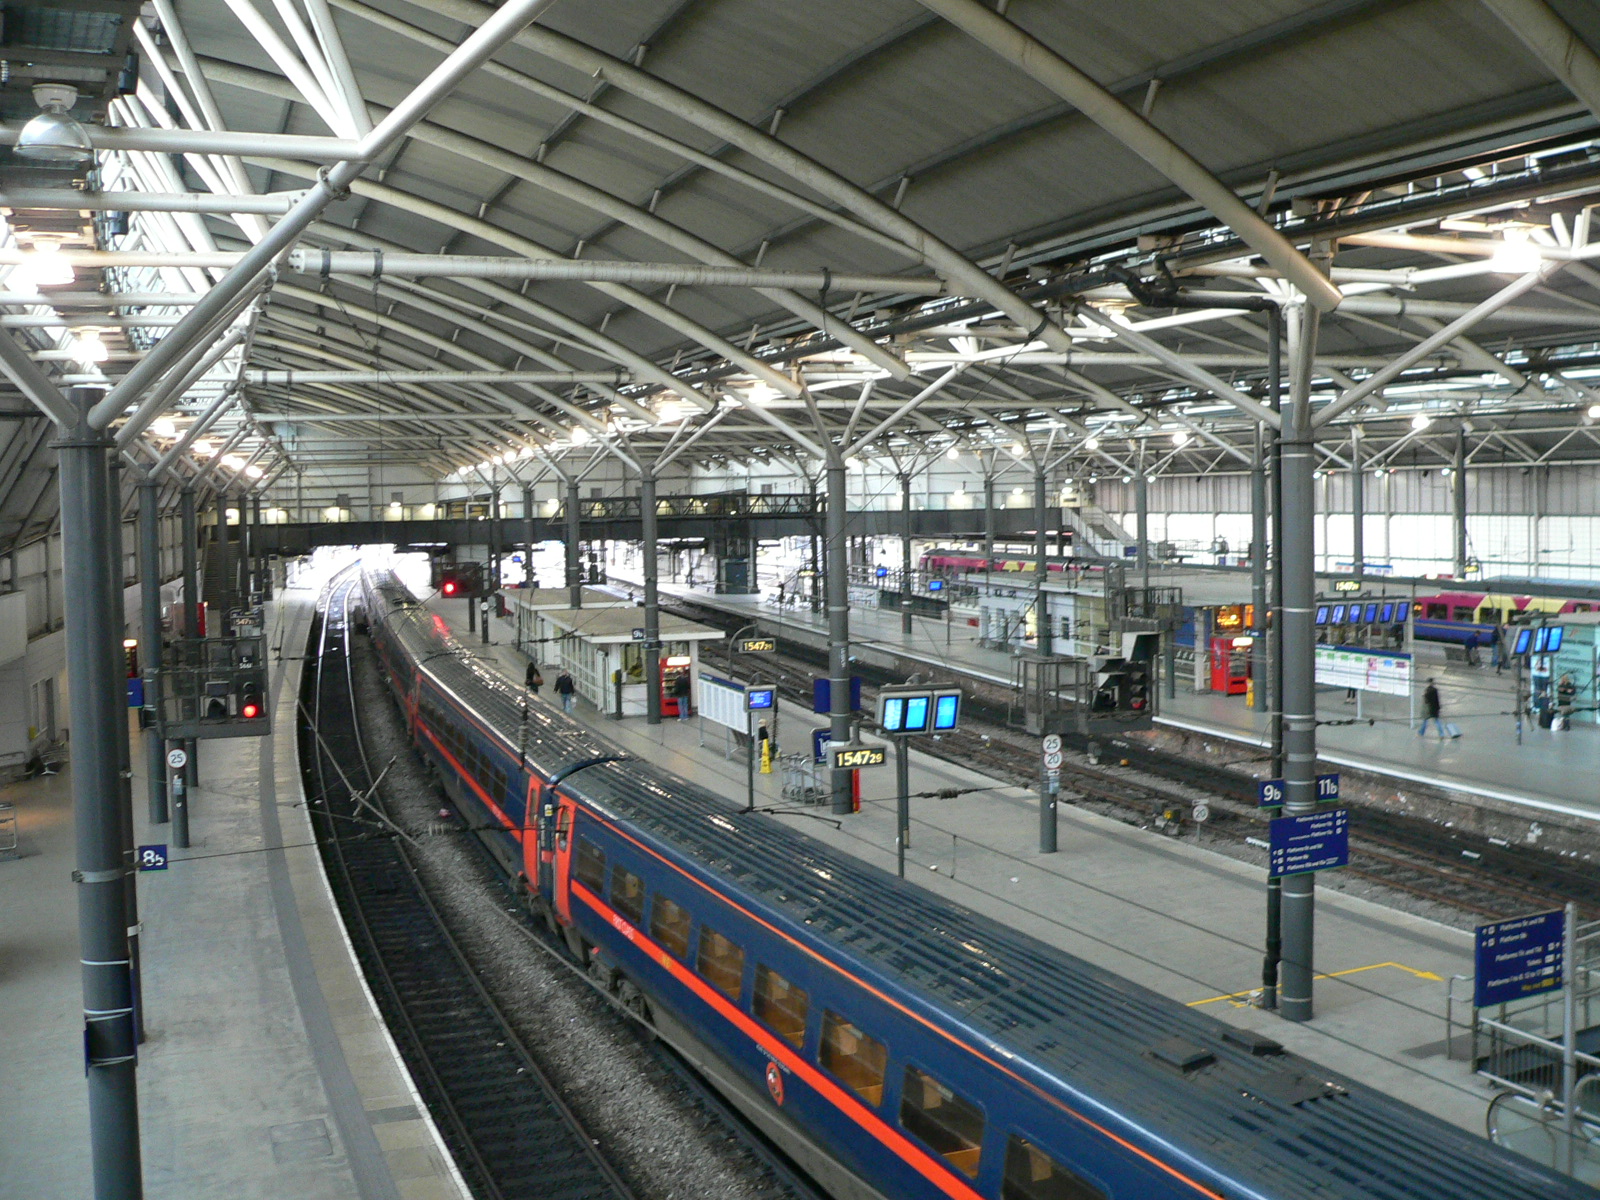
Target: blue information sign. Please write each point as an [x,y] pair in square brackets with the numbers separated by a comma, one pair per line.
[1309,842]
[1328,786]
[936,585]
[759,698]
[819,743]
[822,695]
[152,858]
[1518,958]
[1270,792]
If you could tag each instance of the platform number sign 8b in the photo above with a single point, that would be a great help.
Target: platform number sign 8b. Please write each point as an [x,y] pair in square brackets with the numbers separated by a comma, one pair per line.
[151,858]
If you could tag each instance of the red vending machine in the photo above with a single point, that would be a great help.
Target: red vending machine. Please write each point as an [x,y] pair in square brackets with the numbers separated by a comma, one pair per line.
[1230,665]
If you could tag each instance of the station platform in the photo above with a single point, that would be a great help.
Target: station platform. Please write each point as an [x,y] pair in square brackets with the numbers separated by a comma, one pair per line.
[1549,773]
[266,1071]
[1168,914]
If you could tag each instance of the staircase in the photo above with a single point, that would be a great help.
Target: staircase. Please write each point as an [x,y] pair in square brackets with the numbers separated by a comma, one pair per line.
[1096,531]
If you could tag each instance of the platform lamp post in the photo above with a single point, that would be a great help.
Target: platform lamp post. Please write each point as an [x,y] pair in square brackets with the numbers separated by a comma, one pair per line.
[94,703]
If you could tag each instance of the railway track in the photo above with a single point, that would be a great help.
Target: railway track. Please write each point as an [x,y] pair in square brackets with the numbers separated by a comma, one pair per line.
[511,1135]
[1473,874]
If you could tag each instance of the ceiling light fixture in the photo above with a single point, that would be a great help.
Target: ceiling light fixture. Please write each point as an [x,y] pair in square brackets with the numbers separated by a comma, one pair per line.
[669,412]
[1181,438]
[580,436]
[1516,255]
[164,427]
[54,136]
[88,349]
[1594,412]
[47,266]
[1421,421]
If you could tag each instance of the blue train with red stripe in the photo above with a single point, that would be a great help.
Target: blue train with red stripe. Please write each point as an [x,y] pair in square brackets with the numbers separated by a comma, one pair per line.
[896,1044]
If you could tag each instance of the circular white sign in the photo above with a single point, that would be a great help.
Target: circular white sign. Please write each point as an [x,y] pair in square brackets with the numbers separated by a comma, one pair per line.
[1052,743]
[1052,761]
[1202,812]
[177,759]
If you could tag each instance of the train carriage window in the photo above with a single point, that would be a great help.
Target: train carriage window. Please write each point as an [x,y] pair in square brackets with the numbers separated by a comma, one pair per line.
[590,869]
[1031,1174]
[627,895]
[669,925]
[721,963]
[780,1005]
[951,1125]
[856,1058]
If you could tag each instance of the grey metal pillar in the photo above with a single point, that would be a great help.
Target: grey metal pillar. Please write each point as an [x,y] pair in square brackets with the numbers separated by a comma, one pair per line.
[1258,575]
[244,551]
[116,578]
[1045,640]
[574,533]
[224,571]
[1141,502]
[1299,660]
[1358,508]
[1458,506]
[527,537]
[94,705]
[838,589]
[906,598]
[259,558]
[652,600]
[193,608]
[150,640]
[988,526]
[1274,676]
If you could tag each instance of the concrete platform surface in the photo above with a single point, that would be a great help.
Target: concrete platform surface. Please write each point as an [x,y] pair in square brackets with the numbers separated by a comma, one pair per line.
[265,1071]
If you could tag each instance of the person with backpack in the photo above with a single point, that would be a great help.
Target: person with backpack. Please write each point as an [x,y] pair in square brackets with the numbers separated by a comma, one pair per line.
[566,689]
[533,680]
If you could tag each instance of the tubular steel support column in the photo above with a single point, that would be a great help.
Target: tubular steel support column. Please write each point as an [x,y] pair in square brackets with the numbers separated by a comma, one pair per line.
[652,601]
[1299,664]
[838,589]
[193,610]
[1258,573]
[906,599]
[1458,505]
[1041,547]
[150,640]
[223,572]
[1358,508]
[116,576]
[1141,501]
[1274,680]
[94,690]
[574,533]
[527,537]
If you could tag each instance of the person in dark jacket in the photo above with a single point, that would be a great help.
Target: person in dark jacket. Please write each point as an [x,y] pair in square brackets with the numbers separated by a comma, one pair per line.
[1430,710]
[533,680]
[680,693]
[566,689]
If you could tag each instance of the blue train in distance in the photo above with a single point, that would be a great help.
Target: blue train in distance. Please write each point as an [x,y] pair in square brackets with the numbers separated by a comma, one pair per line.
[896,1045]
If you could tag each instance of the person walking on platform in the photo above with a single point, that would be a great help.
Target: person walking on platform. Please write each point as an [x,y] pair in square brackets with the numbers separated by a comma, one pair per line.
[566,689]
[1430,712]
[533,681]
[680,693]
[1472,649]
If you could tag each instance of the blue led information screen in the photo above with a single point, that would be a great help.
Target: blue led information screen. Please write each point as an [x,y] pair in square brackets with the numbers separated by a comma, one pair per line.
[917,713]
[893,716]
[946,711]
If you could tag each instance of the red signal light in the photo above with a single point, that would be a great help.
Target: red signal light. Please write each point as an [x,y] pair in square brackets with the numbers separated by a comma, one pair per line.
[250,710]
[449,587]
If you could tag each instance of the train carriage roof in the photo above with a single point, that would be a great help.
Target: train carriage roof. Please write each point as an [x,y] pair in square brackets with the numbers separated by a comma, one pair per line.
[1268,1120]
[552,740]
